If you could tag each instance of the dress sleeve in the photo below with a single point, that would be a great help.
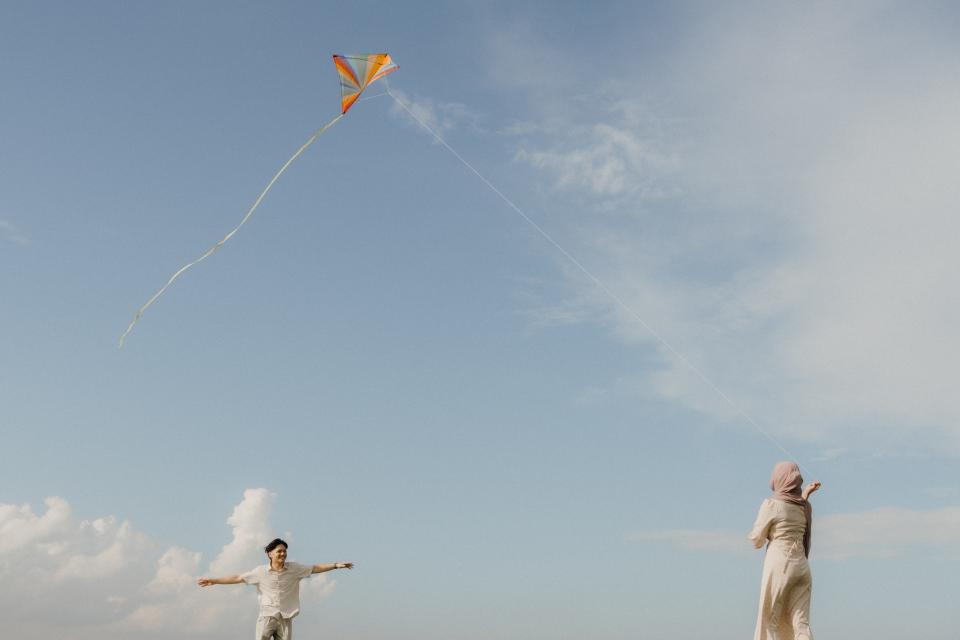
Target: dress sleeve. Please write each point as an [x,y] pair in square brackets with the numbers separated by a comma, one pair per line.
[758,535]
[250,577]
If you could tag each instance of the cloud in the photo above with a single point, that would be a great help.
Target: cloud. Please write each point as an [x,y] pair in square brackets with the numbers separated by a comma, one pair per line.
[251,529]
[791,235]
[882,532]
[441,117]
[19,526]
[609,160]
[109,580]
[57,550]
[84,566]
[9,232]
[887,531]
[171,601]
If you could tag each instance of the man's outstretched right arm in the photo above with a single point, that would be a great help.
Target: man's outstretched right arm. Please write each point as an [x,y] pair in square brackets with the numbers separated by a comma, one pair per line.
[206,582]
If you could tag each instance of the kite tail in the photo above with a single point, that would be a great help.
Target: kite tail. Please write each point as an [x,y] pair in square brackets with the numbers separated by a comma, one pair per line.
[211,250]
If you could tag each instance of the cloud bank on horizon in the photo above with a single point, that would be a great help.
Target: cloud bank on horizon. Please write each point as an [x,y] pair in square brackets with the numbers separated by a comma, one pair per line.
[877,533]
[109,580]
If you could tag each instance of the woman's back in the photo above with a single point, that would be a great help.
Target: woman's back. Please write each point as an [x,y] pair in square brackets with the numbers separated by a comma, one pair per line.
[779,521]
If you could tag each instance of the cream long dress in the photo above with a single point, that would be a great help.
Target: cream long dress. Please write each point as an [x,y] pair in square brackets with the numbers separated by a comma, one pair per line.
[786,585]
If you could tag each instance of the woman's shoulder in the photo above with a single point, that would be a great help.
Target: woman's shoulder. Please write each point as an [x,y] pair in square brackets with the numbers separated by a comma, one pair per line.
[768,508]
[781,506]
[776,506]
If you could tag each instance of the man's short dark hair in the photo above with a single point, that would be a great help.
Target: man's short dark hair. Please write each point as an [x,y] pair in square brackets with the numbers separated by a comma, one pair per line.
[276,542]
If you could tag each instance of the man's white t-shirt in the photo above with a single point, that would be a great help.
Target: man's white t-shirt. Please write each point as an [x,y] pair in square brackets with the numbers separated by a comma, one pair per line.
[278,591]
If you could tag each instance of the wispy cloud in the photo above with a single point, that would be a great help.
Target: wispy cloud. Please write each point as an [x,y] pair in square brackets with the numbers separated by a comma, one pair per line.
[608,159]
[441,117]
[887,531]
[10,233]
[882,532]
[798,247]
[109,580]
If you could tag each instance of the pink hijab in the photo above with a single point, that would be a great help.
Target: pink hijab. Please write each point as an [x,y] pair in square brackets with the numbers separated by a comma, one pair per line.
[786,484]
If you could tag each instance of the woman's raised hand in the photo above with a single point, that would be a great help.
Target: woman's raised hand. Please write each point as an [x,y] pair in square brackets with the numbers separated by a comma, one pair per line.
[810,488]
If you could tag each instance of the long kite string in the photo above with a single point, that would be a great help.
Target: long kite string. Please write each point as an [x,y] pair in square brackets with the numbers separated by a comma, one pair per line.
[599,283]
[211,250]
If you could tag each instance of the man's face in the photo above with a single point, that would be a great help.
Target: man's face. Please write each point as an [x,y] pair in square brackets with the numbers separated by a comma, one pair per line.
[279,555]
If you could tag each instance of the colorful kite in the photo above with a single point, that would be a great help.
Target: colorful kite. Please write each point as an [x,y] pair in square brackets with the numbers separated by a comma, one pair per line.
[357,72]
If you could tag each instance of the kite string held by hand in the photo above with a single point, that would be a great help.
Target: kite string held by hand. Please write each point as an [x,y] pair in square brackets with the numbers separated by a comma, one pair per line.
[313,138]
[599,283]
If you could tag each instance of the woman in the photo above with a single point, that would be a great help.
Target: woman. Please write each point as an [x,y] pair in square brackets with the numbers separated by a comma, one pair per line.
[784,520]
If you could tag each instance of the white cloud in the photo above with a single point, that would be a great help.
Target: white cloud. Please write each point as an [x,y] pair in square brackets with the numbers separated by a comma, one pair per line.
[251,530]
[20,527]
[113,545]
[105,580]
[887,531]
[441,117]
[882,532]
[609,160]
[84,567]
[804,259]
[175,569]
[11,233]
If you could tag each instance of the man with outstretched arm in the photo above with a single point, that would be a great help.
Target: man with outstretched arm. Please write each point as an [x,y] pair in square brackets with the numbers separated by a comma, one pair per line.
[278,589]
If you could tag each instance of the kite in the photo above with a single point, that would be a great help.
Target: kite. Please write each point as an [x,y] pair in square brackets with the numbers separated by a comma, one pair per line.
[356,72]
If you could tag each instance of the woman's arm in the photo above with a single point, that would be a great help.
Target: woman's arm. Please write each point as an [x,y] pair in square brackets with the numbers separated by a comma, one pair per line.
[758,535]
[809,489]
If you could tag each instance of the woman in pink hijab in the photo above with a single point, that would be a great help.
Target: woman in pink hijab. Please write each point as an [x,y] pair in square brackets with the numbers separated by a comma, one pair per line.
[783,524]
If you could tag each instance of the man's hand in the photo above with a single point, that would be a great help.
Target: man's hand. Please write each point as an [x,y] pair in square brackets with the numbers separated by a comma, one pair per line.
[323,568]
[206,582]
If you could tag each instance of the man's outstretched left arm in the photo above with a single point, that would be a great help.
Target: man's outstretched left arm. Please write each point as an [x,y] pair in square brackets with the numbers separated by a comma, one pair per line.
[323,568]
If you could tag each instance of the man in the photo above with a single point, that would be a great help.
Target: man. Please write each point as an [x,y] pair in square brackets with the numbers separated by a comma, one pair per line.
[278,589]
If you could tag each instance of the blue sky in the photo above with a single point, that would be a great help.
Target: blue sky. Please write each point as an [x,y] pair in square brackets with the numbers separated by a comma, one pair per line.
[390,366]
